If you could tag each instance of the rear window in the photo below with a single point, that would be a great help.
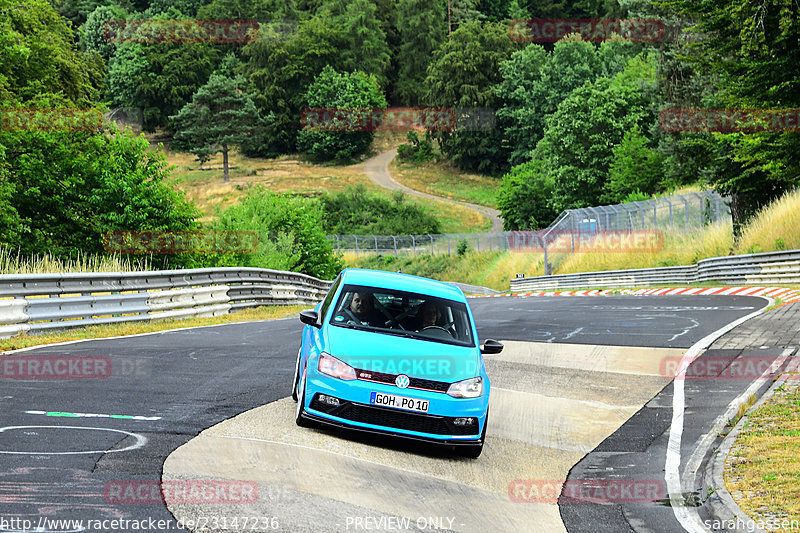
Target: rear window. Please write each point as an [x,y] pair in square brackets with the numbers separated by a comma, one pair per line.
[403,313]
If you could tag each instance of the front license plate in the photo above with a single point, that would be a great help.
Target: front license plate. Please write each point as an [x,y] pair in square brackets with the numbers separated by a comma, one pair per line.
[398,402]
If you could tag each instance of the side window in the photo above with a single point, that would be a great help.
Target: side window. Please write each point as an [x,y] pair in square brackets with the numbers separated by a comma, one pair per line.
[326,303]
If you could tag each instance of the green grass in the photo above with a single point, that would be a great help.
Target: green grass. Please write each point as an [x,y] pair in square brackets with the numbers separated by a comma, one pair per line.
[762,471]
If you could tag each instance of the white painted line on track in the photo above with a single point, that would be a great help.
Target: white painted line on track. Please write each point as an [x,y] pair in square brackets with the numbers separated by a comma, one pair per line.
[688,516]
[140,440]
[61,414]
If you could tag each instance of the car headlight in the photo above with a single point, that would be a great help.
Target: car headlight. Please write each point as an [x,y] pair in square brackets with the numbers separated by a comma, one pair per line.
[468,388]
[333,367]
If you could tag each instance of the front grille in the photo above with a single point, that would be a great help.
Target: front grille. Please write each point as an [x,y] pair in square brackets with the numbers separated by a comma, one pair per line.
[414,383]
[395,418]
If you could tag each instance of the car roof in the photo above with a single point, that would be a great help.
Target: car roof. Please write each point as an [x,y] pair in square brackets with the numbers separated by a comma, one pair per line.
[401,282]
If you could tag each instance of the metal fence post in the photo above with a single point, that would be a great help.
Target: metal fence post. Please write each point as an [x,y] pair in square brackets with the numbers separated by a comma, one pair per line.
[376,244]
[356,236]
[431,236]
[448,244]
[394,244]
[414,245]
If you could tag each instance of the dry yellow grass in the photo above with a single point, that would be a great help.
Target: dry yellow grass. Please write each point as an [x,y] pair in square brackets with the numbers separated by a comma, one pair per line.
[133,328]
[776,227]
[40,264]
[204,187]
[679,249]
[762,471]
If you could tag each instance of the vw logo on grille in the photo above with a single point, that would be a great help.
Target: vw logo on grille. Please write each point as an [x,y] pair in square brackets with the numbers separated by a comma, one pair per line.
[402,381]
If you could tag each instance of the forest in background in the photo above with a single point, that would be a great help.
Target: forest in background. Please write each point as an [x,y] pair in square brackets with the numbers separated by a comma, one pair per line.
[576,122]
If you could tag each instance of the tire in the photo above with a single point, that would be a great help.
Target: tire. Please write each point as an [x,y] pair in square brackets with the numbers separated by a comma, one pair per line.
[296,380]
[473,452]
[301,395]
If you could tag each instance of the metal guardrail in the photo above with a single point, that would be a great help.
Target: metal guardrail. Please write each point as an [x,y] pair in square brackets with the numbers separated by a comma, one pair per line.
[44,302]
[748,269]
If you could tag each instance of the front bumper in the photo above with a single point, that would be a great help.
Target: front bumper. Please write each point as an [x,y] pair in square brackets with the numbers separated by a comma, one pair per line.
[354,411]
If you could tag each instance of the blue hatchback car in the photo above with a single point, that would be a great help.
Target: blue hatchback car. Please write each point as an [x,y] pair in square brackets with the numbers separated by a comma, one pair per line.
[397,354]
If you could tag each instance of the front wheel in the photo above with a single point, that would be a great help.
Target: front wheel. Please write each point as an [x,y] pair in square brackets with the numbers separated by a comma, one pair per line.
[301,395]
[473,452]
[296,380]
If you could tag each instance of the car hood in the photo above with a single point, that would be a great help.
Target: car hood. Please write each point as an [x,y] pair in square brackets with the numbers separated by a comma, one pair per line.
[391,354]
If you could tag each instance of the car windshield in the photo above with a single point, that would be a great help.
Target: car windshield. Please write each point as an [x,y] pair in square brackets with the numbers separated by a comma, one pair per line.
[403,313]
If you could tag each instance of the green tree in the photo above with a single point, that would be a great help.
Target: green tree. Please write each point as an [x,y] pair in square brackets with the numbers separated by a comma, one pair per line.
[93,32]
[220,116]
[70,188]
[580,137]
[634,167]
[462,75]
[281,72]
[368,51]
[754,48]
[534,82]
[37,56]
[524,198]
[340,139]
[290,234]
[421,29]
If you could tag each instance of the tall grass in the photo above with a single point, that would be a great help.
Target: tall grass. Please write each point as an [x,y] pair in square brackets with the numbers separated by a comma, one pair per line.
[775,227]
[11,263]
[679,249]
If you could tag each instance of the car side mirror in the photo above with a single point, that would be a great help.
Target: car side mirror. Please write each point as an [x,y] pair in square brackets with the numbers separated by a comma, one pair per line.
[310,317]
[491,346]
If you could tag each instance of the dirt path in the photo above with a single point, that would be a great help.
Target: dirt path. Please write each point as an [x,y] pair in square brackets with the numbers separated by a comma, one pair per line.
[377,169]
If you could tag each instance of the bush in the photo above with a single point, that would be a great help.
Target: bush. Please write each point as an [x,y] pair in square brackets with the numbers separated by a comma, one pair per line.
[525,197]
[290,234]
[419,151]
[339,139]
[355,211]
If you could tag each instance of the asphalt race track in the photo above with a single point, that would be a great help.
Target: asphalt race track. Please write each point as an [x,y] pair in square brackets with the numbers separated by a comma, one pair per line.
[579,375]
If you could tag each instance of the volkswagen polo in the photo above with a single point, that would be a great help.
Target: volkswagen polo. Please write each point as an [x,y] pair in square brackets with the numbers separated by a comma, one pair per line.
[397,354]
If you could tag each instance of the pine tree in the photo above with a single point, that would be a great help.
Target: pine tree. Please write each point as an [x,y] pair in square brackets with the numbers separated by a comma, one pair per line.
[220,116]
[422,27]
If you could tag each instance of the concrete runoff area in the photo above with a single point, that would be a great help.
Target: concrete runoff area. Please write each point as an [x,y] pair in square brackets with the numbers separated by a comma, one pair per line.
[551,404]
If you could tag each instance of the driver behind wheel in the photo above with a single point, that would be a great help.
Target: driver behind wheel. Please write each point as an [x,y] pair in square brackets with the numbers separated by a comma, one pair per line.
[362,310]
[428,315]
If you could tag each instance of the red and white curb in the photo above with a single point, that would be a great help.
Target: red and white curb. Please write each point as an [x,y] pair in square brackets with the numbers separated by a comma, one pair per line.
[786,295]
